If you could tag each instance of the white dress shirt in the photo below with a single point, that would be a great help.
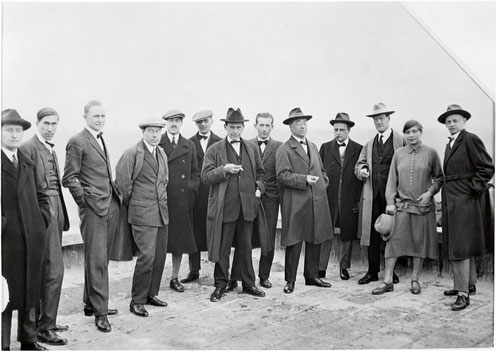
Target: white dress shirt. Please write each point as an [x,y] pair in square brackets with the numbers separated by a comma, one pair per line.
[453,138]
[305,145]
[175,136]
[342,149]
[263,146]
[204,142]
[150,148]
[95,134]
[385,135]
[236,146]
[10,154]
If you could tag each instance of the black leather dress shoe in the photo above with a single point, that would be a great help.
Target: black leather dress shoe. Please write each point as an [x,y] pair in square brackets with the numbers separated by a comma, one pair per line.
[317,282]
[138,309]
[344,274]
[176,285]
[253,290]
[472,290]
[217,294]
[191,277]
[322,274]
[231,285]
[289,288]
[61,328]
[103,324]
[462,301]
[154,301]
[265,282]
[396,280]
[51,338]
[367,278]
[32,346]
[88,311]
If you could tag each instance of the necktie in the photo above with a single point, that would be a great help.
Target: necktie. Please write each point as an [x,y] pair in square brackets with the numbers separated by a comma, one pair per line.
[381,139]
[15,161]
[100,136]
[449,143]
[174,140]
[51,146]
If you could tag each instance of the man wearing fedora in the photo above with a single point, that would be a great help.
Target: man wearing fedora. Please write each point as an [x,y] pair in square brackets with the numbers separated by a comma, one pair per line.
[40,149]
[468,168]
[339,157]
[233,169]
[88,175]
[304,207]
[182,190]
[372,168]
[142,175]
[203,139]
[25,218]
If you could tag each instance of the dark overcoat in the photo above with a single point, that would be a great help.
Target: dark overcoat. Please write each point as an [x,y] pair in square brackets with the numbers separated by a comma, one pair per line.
[25,216]
[201,203]
[467,170]
[182,189]
[304,208]
[351,187]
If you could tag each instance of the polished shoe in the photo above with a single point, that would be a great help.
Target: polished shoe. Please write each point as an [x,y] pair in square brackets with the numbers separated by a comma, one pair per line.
[322,274]
[472,290]
[289,288]
[265,282]
[415,287]
[51,338]
[396,280]
[176,285]
[61,328]
[231,285]
[103,324]
[367,278]
[317,282]
[383,288]
[192,276]
[32,346]
[462,301]
[154,301]
[344,274]
[217,294]
[254,291]
[138,309]
[88,311]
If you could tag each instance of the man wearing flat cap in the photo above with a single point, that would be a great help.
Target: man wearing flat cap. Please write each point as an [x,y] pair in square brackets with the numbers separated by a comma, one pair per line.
[372,168]
[41,150]
[339,157]
[202,140]
[304,207]
[182,190]
[88,175]
[142,176]
[25,217]
[466,217]
[233,169]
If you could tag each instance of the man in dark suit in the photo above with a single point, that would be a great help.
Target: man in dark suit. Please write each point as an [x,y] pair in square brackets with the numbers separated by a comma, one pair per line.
[233,169]
[184,181]
[25,217]
[304,208]
[339,157]
[40,149]
[373,169]
[202,140]
[88,175]
[142,175]
[468,168]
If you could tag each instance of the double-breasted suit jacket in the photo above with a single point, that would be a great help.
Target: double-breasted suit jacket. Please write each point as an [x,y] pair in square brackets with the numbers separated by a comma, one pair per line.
[342,179]
[467,170]
[182,189]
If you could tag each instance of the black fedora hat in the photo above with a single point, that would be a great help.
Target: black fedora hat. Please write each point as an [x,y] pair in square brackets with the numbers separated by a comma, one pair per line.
[342,117]
[453,109]
[11,117]
[234,116]
[296,113]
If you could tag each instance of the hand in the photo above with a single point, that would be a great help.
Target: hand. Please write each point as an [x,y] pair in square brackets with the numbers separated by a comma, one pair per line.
[391,209]
[311,180]
[425,198]
[258,193]
[232,168]
[364,173]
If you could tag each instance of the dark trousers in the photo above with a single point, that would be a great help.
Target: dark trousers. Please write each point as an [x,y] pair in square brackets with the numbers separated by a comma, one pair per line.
[271,212]
[53,270]
[152,246]
[311,269]
[26,326]
[242,268]
[374,249]
[194,262]
[98,235]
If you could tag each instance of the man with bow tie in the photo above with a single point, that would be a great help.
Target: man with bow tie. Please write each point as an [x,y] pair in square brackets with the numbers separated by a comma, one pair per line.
[41,150]
[88,175]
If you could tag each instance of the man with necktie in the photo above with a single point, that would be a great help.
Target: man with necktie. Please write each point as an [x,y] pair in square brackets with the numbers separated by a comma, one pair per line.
[88,175]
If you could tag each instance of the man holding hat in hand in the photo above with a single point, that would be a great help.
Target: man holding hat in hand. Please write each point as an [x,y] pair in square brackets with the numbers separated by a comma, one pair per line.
[304,208]
[142,175]
[467,170]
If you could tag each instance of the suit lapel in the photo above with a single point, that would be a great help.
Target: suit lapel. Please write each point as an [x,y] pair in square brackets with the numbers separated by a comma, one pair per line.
[269,149]
[335,151]
[180,149]
[299,149]
[42,148]
[197,142]
[24,165]
[94,143]
[456,144]
[349,153]
[8,167]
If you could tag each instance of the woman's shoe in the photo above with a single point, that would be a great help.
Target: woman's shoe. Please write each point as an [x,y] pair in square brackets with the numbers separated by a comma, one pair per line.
[415,287]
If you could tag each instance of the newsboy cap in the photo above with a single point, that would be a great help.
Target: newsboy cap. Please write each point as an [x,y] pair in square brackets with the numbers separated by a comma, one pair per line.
[152,122]
[203,114]
[173,114]
[11,117]
[454,109]
[44,112]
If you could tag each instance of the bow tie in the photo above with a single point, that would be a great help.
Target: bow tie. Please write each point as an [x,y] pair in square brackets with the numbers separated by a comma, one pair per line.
[100,135]
[260,142]
[49,143]
[303,143]
[234,141]
[203,137]
[342,145]
[451,139]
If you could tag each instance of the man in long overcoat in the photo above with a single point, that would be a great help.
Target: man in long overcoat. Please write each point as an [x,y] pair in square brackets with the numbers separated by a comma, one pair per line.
[184,181]
[467,170]
[142,175]
[373,168]
[202,140]
[25,217]
[304,207]
[339,157]
[233,169]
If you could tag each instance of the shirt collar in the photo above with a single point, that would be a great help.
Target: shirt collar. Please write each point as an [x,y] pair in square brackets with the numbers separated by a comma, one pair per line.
[93,132]
[176,136]
[259,139]
[414,148]
[455,136]
[229,139]
[346,141]
[10,153]
[148,146]
[205,135]
[298,139]
[386,134]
